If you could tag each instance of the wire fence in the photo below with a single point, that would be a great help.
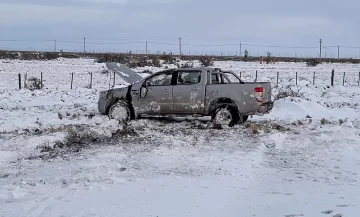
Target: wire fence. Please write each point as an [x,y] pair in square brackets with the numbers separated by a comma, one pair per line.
[181,46]
[110,80]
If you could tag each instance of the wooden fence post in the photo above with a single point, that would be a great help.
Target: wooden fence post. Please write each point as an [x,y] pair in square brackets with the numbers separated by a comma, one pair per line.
[91,79]
[344,79]
[19,76]
[72,80]
[256,75]
[277,78]
[296,78]
[25,79]
[114,80]
[332,77]
[314,79]
[41,80]
[240,75]
[359,80]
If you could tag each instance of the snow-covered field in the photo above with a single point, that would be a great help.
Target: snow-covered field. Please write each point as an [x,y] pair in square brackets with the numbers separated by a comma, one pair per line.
[304,161]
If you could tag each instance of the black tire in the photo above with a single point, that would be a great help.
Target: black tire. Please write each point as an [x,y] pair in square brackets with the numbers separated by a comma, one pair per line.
[244,118]
[121,112]
[235,116]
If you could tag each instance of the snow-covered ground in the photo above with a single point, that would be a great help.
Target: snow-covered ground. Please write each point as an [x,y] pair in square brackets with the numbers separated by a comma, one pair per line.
[304,161]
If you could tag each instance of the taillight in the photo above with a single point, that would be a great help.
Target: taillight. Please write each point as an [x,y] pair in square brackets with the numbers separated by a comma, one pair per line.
[259,92]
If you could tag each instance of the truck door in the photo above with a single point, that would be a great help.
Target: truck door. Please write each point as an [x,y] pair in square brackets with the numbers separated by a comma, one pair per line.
[188,92]
[159,94]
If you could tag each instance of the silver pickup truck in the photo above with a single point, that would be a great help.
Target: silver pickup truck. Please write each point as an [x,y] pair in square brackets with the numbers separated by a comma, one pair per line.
[187,91]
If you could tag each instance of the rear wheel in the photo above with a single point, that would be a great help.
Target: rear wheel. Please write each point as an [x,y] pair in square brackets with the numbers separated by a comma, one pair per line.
[120,111]
[225,115]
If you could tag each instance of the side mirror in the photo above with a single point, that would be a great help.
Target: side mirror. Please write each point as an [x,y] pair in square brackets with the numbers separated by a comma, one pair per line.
[143,92]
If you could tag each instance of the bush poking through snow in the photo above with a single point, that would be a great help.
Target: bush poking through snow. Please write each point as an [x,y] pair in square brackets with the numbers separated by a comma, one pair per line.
[288,92]
[185,65]
[34,83]
[155,62]
[75,141]
[168,59]
[341,121]
[206,61]
[324,121]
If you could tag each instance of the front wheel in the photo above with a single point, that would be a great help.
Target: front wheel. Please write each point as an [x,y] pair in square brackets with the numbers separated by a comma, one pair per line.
[225,115]
[120,111]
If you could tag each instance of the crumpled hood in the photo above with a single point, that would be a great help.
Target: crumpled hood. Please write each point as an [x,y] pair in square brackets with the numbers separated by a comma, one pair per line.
[124,72]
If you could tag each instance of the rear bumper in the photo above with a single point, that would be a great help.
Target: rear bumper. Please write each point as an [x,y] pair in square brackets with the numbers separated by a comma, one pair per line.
[265,108]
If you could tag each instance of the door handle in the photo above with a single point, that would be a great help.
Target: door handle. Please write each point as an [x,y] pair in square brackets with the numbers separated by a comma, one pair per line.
[195,88]
[166,90]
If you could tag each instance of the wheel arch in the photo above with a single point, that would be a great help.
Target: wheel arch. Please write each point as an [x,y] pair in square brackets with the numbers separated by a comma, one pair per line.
[113,101]
[221,101]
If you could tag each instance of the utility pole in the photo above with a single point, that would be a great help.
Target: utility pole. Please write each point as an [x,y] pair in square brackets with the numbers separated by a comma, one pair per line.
[240,50]
[180,46]
[320,49]
[146,47]
[84,45]
[338,52]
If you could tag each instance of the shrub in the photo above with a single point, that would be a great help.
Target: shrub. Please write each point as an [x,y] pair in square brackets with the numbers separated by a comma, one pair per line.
[324,121]
[206,61]
[34,83]
[185,65]
[156,62]
[168,59]
[288,92]
[49,56]
[312,62]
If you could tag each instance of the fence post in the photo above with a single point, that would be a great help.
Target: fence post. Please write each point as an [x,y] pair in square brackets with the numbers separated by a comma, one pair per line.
[91,79]
[296,78]
[359,80]
[277,78]
[256,75]
[314,79]
[240,75]
[25,79]
[332,77]
[72,80]
[114,80]
[344,79]
[41,80]
[19,76]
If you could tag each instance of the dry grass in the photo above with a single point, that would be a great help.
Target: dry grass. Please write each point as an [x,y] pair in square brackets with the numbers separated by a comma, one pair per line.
[255,129]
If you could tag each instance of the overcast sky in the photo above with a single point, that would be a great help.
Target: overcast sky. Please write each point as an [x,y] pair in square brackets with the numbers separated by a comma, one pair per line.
[198,22]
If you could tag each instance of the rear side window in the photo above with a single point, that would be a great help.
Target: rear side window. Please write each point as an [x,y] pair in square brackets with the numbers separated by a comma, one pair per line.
[217,78]
[188,78]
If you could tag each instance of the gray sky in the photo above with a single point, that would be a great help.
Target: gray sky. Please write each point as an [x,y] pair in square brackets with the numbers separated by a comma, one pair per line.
[199,22]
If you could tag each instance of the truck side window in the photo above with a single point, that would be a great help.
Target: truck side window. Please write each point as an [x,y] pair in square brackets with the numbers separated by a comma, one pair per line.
[162,79]
[215,79]
[187,78]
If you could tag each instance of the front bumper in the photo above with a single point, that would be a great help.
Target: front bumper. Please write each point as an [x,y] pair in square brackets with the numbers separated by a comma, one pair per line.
[265,107]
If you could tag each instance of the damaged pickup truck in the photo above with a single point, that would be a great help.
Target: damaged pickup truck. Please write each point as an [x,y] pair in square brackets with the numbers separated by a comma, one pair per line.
[187,91]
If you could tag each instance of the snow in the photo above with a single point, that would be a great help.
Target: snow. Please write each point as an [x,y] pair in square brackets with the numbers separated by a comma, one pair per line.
[303,162]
